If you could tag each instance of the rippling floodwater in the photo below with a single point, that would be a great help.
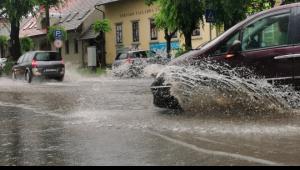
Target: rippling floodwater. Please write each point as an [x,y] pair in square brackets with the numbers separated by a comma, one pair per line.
[112,121]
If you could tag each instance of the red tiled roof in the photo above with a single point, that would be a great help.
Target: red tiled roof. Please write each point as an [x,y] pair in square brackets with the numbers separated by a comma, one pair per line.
[72,14]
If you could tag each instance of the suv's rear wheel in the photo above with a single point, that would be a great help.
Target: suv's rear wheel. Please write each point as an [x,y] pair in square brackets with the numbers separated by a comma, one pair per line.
[28,77]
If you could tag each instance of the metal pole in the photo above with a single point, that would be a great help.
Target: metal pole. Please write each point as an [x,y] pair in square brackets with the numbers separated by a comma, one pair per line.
[210,31]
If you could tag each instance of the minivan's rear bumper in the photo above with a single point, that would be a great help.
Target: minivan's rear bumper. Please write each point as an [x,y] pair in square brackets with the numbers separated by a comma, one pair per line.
[51,73]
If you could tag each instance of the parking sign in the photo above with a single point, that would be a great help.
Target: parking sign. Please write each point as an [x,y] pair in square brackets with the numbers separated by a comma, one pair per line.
[58,34]
[210,16]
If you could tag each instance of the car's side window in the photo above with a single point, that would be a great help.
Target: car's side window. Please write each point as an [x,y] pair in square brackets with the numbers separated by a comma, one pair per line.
[268,32]
[20,59]
[224,47]
[123,56]
[25,60]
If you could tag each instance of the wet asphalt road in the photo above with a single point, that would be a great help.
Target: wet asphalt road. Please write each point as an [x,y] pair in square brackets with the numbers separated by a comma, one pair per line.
[105,121]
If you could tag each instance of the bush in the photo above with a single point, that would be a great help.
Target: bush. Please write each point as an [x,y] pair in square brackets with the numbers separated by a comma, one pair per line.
[27,44]
[7,68]
[180,52]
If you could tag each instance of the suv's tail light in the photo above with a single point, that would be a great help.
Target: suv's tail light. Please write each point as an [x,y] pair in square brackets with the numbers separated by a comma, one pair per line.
[130,61]
[62,62]
[34,64]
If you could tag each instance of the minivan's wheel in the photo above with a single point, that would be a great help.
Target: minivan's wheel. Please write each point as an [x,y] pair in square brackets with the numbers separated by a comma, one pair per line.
[61,79]
[28,77]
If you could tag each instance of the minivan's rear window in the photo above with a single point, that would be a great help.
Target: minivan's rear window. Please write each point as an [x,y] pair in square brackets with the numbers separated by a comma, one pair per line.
[48,56]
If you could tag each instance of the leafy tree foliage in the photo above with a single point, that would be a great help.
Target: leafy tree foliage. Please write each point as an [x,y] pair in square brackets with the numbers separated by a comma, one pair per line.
[27,44]
[102,26]
[179,15]
[14,11]
[3,44]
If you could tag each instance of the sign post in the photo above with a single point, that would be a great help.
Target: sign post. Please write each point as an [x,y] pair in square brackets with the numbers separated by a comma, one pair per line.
[210,18]
[58,43]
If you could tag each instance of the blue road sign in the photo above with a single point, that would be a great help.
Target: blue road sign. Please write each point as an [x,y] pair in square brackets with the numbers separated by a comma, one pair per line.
[210,15]
[58,34]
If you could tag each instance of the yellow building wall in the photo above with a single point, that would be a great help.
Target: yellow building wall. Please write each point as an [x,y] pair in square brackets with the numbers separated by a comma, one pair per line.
[127,11]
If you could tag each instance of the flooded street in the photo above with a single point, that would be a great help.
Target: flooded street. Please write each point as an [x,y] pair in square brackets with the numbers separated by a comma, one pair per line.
[109,121]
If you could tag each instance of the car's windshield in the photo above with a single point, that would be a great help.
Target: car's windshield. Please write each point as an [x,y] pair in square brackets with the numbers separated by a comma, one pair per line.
[220,37]
[140,54]
[48,56]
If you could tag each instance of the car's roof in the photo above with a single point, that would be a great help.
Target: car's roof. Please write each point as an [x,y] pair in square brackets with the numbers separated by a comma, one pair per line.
[137,51]
[42,51]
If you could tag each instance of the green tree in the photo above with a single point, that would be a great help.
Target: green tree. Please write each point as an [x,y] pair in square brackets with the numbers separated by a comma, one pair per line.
[102,27]
[182,15]
[229,14]
[289,1]
[47,4]
[14,11]
[3,44]
[164,20]
[27,44]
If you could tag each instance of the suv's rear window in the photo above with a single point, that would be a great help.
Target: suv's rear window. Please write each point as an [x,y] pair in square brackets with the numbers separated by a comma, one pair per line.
[48,56]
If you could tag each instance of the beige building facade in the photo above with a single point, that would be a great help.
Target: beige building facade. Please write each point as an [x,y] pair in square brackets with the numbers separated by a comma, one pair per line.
[133,27]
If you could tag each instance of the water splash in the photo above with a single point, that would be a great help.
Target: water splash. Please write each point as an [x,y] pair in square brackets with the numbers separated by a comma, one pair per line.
[141,70]
[214,88]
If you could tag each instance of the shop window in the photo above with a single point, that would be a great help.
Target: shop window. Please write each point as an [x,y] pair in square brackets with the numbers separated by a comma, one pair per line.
[153,30]
[196,32]
[135,31]
[175,35]
[119,33]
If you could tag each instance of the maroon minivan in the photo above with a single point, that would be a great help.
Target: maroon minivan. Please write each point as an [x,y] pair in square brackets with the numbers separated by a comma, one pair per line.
[268,43]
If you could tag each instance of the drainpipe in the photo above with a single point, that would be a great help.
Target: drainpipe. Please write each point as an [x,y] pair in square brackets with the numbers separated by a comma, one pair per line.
[97,7]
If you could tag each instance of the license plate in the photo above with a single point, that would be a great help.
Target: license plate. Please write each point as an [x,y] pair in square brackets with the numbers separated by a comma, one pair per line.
[50,70]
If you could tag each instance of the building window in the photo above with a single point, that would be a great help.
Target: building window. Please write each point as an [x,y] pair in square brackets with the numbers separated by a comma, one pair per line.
[119,33]
[153,30]
[67,47]
[135,31]
[76,46]
[196,32]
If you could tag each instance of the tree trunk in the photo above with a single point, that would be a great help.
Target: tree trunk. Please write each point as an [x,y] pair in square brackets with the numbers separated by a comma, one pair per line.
[188,41]
[168,40]
[1,54]
[47,10]
[102,48]
[15,49]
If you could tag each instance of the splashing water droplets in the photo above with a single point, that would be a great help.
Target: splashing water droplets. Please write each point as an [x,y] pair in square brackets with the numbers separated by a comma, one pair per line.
[214,88]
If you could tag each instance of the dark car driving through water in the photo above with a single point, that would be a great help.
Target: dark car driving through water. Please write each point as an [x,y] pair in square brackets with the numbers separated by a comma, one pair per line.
[139,57]
[46,64]
[268,43]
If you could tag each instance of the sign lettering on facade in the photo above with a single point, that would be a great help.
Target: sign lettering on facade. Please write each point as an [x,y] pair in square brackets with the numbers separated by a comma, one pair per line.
[139,12]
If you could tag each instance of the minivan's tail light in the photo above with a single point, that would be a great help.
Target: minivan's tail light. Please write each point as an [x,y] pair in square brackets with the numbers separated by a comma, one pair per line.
[62,62]
[34,64]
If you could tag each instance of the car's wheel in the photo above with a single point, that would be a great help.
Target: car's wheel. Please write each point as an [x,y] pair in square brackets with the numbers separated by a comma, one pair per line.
[61,79]
[28,77]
